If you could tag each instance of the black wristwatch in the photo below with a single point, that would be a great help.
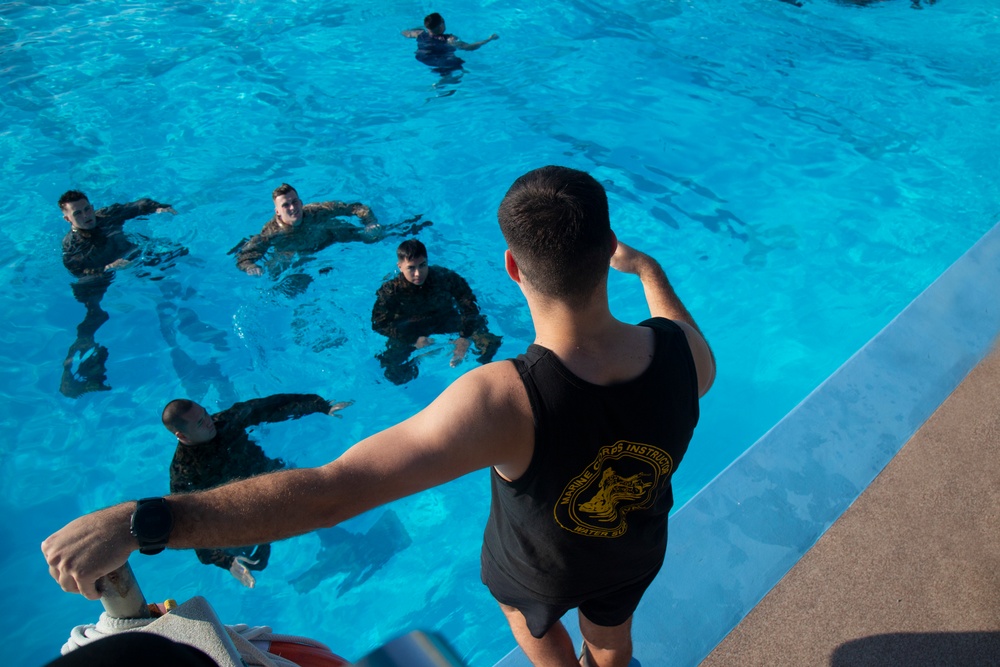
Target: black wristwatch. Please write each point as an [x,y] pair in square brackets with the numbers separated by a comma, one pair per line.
[152,522]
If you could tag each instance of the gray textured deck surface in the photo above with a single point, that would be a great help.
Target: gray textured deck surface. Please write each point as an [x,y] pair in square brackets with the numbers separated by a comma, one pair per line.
[910,574]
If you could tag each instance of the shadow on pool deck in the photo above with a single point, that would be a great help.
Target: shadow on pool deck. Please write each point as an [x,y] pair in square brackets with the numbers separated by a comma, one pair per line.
[910,573]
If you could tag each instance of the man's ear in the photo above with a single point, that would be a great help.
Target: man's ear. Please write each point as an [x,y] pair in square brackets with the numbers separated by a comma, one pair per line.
[182,438]
[614,244]
[511,265]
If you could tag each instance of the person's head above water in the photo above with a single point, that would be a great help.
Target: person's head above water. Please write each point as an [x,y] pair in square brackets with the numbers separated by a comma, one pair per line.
[77,211]
[188,421]
[411,258]
[287,205]
[434,23]
[558,231]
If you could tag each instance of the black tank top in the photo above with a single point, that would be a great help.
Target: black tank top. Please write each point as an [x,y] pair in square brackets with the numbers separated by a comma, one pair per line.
[589,515]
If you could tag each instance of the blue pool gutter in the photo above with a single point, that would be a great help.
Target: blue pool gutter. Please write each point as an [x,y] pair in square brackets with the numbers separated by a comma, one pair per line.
[735,539]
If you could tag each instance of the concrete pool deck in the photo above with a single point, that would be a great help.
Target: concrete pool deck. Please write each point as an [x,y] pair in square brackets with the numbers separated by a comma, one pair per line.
[910,574]
[739,537]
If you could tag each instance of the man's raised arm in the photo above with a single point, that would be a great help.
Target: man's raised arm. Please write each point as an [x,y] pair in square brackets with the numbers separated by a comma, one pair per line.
[482,419]
[664,302]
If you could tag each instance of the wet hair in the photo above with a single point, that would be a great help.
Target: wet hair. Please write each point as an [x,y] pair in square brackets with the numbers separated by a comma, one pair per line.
[410,249]
[173,414]
[433,21]
[556,224]
[283,189]
[71,196]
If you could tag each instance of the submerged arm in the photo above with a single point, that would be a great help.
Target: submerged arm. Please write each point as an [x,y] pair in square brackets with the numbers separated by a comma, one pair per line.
[252,252]
[333,209]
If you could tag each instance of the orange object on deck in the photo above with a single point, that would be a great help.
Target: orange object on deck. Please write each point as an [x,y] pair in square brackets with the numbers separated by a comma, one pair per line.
[306,655]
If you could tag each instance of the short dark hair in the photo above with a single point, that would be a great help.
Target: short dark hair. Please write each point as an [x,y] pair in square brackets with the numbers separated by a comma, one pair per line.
[433,21]
[283,189]
[410,249]
[555,221]
[173,414]
[71,196]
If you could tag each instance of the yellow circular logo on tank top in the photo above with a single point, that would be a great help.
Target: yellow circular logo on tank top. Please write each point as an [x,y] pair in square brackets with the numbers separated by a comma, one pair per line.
[623,478]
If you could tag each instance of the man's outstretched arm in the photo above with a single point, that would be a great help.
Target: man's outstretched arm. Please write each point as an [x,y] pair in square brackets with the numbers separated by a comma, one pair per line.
[482,419]
[664,302]
[118,214]
[278,408]
[465,46]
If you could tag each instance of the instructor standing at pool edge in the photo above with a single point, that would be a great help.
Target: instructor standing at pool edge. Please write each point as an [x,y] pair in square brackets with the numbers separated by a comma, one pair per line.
[597,500]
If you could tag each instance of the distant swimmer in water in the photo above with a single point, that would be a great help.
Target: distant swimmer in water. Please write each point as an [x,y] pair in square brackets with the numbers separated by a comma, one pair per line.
[297,230]
[424,300]
[215,449]
[94,247]
[436,49]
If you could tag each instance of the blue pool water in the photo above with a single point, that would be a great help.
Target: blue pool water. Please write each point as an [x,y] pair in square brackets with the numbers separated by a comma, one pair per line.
[802,173]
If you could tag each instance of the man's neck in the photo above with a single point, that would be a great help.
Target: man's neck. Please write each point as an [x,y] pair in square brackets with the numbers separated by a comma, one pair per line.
[588,339]
[561,326]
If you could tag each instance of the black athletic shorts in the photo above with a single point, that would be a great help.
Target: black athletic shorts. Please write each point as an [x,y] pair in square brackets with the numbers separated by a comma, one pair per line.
[607,609]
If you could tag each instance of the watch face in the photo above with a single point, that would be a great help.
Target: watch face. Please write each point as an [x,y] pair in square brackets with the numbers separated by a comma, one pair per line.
[153,521]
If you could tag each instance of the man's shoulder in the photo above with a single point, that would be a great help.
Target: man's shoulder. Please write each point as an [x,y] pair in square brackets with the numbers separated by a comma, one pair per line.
[497,382]
[446,275]
[660,324]
[668,333]
[487,403]
[75,242]
[677,339]
[183,455]
[491,406]
[323,209]
[270,227]
[321,205]
[114,215]
[391,286]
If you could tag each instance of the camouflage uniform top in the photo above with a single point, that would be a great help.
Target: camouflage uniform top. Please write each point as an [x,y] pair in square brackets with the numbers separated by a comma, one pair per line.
[444,303]
[318,229]
[88,251]
[231,454]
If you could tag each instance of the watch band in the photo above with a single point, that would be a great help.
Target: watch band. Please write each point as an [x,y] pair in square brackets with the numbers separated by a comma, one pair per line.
[152,522]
